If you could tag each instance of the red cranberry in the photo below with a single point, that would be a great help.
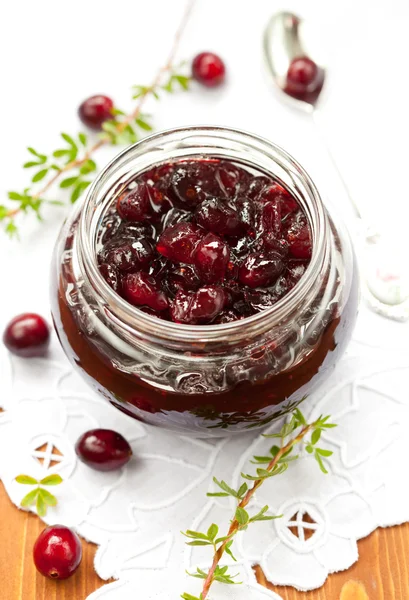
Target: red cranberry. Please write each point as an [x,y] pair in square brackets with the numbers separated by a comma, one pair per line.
[299,240]
[192,182]
[200,307]
[255,186]
[134,205]
[302,71]
[269,217]
[94,111]
[211,258]
[278,193]
[271,242]
[27,335]
[175,216]
[121,258]
[142,251]
[110,226]
[180,307]
[261,270]
[245,211]
[111,276]
[57,552]
[141,289]
[183,278]
[216,216]
[260,299]
[179,242]
[207,303]
[208,69]
[230,178]
[103,449]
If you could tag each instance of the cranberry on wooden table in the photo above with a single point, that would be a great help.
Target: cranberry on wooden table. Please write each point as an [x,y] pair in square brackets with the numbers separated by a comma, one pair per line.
[208,69]
[94,111]
[57,552]
[27,335]
[103,449]
[225,244]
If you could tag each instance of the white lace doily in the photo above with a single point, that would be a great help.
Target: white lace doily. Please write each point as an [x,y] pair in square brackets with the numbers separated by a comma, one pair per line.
[136,515]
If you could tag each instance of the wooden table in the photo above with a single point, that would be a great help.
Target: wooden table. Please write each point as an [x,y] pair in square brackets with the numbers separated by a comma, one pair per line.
[382,573]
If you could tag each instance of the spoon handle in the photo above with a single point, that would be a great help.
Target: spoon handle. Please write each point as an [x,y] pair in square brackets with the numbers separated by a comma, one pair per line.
[385,281]
[319,127]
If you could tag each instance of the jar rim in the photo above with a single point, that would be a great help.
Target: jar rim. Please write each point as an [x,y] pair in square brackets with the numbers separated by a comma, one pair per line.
[136,321]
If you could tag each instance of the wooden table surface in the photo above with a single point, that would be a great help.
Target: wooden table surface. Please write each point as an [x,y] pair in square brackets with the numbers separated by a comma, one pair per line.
[382,572]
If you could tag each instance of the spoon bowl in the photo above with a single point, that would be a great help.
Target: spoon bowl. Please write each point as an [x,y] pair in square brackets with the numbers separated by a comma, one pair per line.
[286,38]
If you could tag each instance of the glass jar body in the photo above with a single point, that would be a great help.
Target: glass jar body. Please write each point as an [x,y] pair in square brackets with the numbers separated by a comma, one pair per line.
[209,379]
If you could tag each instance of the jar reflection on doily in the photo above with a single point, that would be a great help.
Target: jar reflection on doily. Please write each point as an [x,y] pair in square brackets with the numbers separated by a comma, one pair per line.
[204,378]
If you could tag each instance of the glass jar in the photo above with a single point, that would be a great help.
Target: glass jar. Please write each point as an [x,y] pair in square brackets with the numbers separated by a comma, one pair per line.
[206,378]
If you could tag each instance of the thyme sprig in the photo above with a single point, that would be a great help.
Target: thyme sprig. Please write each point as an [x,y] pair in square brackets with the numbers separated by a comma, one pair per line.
[74,159]
[293,433]
[39,496]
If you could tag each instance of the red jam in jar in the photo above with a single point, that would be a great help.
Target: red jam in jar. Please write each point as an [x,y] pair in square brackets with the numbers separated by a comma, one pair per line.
[203,286]
[204,241]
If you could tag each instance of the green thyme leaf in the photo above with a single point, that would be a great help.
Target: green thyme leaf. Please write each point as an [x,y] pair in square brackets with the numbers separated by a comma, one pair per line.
[212,531]
[320,463]
[60,153]
[299,416]
[68,182]
[3,212]
[15,196]
[143,124]
[11,230]
[42,157]
[187,596]
[29,498]
[198,543]
[223,485]
[183,81]
[69,140]
[195,535]
[41,505]
[54,479]
[323,452]
[26,480]
[81,187]
[30,164]
[242,490]
[241,516]
[48,498]
[82,138]
[315,437]
[228,550]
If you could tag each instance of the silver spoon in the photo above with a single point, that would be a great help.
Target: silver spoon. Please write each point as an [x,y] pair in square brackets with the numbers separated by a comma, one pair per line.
[386,286]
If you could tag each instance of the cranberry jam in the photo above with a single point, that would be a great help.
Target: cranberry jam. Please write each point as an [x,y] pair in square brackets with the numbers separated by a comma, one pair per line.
[204,241]
[202,285]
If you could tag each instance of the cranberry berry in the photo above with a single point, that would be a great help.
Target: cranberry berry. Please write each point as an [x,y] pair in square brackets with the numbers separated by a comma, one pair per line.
[211,258]
[27,335]
[208,69]
[302,71]
[179,242]
[94,111]
[103,450]
[57,552]
[141,289]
